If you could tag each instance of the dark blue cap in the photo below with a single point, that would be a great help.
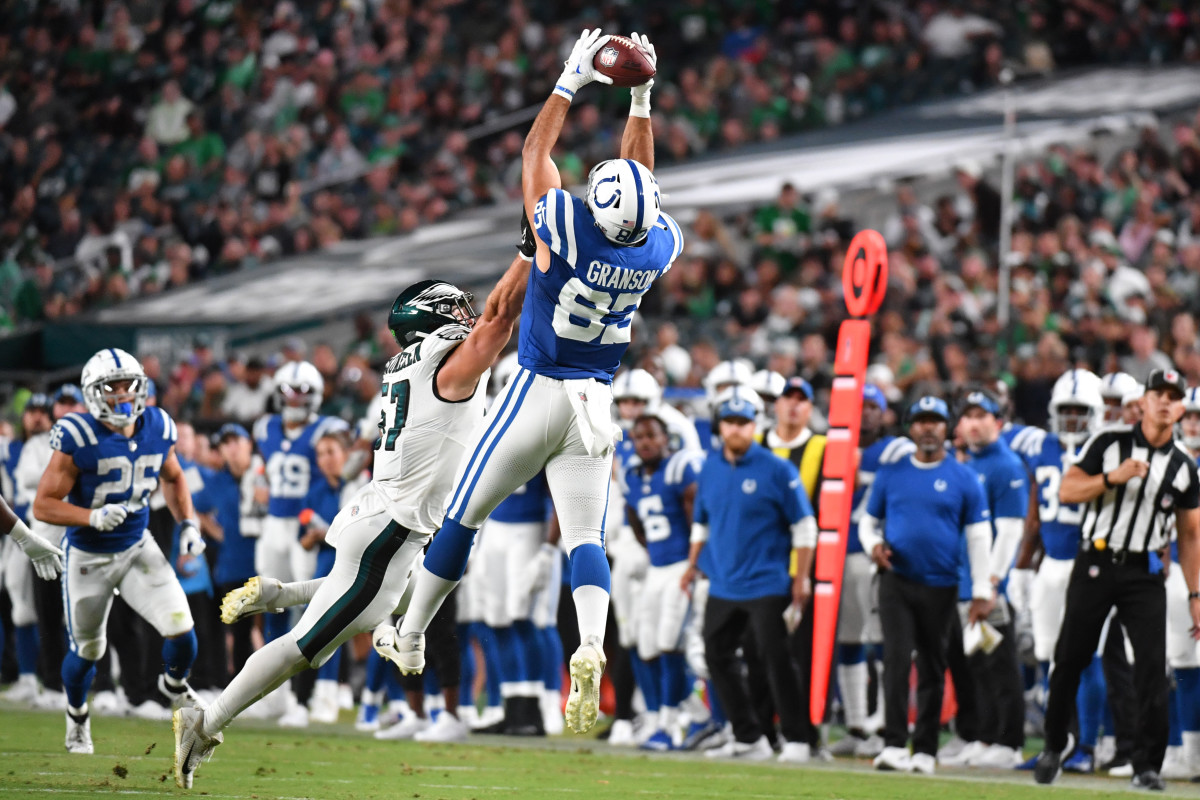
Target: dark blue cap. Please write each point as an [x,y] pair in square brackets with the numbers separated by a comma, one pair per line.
[798,384]
[875,395]
[39,400]
[982,400]
[929,406]
[69,393]
[231,429]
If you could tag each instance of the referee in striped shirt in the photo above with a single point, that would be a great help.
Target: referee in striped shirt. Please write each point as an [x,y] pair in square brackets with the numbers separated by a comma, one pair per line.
[1133,479]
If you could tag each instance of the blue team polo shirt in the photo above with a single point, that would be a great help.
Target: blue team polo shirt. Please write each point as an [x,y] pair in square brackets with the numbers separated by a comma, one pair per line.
[749,506]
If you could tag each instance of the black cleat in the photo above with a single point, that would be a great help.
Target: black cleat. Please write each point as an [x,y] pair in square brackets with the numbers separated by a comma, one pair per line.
[1149,781]
[1048,767]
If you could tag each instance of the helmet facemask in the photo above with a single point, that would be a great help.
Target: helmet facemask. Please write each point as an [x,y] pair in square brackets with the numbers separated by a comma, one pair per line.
[1073,423]
[118,399]
[300,401]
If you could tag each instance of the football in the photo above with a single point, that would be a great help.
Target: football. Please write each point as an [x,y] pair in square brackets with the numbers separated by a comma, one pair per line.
[624,61]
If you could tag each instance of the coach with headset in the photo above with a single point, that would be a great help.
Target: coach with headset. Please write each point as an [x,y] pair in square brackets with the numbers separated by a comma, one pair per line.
[1133,479]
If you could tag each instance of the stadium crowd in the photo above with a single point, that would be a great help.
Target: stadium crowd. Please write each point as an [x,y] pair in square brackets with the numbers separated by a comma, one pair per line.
[148,144]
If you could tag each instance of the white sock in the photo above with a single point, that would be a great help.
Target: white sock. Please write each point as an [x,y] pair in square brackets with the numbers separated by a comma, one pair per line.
[325,690]
[591,609]
[852,678]
[265,670]
[1191,748]
[297,594]
[429,591]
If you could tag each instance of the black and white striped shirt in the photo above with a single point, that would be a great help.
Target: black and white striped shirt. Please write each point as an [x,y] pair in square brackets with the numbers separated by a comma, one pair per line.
[1138,516]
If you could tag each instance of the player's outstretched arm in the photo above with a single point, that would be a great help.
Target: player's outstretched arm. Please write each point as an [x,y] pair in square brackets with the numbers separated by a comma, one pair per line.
[638,140]
[460,372]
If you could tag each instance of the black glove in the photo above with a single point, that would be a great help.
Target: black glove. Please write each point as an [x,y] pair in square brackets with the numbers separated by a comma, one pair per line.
[527,246]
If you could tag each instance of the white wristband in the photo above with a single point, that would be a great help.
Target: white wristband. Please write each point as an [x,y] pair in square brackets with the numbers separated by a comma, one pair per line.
[639,106]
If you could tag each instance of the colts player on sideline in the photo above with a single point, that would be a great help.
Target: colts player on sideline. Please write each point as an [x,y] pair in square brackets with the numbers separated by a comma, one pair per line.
[106,463]
[596,257]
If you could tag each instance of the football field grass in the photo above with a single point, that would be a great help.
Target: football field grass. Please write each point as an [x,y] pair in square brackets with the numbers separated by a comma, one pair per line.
[261,762]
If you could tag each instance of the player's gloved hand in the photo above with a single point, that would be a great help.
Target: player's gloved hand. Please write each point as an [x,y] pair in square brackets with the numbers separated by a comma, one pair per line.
[527,247]
[108,517]
[640,103]
[540,568]
[46,557]
[578,70]
[191,542]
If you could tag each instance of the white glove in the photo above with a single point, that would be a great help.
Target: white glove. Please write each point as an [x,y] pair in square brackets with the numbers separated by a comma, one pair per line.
[578,70]
[539,569]
[191,542]
[108,517]
[46,557]
[639,105]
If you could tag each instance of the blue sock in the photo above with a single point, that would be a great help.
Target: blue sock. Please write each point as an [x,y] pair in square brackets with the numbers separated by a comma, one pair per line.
[714,704]
[276,625]
[647,676]
[589,567]
[531,659]
[552,658]
[511,663]
[329,670]
[1187,682]
[491,662]
[27,648]
[675,686]
[1044,669]
[376,671]
[1174,720]
[466,662]
[391,680]
[430,683]
[178,655]
[77,674]
[851,654]
[449,550]
[1091,703]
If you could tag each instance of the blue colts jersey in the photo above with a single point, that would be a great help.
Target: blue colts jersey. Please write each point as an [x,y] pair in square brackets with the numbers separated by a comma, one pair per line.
[291,463]
[575,323]
[529,503]
[114,468]
[657,500]
[885,450]
[1048,459]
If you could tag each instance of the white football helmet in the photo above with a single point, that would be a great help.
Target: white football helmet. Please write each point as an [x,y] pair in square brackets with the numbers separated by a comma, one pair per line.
[1076,406]
[1191,405]
[101,374]
[724,375]
[1114,387]
[738,396]
[302,390]
[637,384]
[624,200]
[768,384]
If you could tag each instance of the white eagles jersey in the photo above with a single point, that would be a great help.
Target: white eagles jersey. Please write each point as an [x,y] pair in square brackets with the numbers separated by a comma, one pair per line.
[422,438]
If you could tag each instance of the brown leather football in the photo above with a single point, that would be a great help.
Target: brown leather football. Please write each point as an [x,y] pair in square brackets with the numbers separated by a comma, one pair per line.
[624,61]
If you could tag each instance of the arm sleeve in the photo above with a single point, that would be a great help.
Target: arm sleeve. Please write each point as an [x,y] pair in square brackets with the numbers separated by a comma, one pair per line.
[869,534]
[979,536]
[699,533]
[1009,531]
[554,222]
[1091,457]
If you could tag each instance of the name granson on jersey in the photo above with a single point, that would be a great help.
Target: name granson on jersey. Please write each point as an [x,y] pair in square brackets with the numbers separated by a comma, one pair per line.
[609,277]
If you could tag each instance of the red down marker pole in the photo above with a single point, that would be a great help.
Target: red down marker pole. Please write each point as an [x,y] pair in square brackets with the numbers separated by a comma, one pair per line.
[864,282]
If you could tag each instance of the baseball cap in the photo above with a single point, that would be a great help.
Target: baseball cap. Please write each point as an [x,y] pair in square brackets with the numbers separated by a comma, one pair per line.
[37,401]
[797,384]
[231,429]
[68,393]
[874,394]
[929,406]
[1167,379]
[738,402]
[981,400]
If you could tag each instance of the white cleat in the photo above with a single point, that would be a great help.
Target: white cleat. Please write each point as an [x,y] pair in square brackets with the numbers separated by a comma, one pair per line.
[192,745]
[447,728]
[894,759]
[79,736]
[406,651]
[257,596]
[923,763]
[406,728]
[183,696]
[24,691]
[583,704]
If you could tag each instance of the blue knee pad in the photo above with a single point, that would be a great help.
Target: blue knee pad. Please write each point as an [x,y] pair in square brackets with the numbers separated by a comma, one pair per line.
[449,551]
[178,655]
[77,675]
[589,567]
